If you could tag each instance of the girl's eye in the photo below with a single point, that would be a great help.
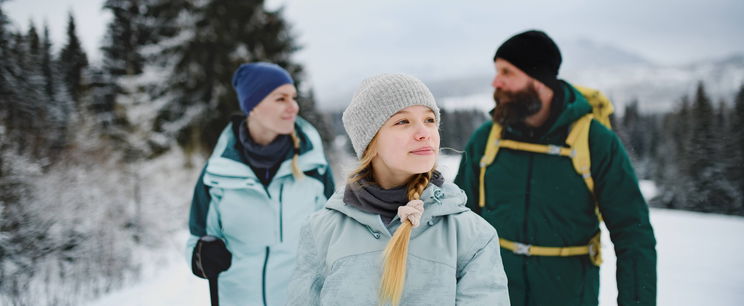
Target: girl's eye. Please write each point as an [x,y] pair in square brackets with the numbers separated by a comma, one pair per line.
[431,120]
[402,121]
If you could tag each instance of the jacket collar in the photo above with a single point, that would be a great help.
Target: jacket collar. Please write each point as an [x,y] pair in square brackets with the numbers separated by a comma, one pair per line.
[227,162]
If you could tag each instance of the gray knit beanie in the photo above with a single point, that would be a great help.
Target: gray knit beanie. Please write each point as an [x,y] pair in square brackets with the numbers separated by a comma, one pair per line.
[377,99]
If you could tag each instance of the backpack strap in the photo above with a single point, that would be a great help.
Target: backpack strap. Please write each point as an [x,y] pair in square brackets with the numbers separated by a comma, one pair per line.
[593,249]
[492,148]
[536,148]
[578,141]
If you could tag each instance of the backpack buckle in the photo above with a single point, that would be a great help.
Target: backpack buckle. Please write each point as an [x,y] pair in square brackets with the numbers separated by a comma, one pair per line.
[554,150]
[522,249]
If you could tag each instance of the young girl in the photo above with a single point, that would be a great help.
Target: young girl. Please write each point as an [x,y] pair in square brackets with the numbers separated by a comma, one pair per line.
[267,174]
[398,234]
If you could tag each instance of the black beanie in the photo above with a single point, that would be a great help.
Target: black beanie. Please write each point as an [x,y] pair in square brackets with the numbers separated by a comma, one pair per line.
[535,53]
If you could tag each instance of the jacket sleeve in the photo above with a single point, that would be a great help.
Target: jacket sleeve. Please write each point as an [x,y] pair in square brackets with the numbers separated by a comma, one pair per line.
[203,216]
[626,215]
[467,175]
[307,280]
[480,273]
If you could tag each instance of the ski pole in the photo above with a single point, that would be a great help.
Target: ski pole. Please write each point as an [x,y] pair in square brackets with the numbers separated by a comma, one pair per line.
[213,291]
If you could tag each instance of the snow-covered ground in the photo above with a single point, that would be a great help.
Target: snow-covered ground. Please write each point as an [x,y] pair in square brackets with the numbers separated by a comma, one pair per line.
[699,262]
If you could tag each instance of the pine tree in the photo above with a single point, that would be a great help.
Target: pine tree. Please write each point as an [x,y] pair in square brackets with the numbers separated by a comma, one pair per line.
[654,136]
[122,59]
[18,112]
[700,149]
[59,109]
[200,44]
[640,135]
[72,62]
[34,43]
[711,191]
[26,111]
[125,34]
[672,175]
[736,167]
[7,91]
[629,130]
[46,66]
[33,69]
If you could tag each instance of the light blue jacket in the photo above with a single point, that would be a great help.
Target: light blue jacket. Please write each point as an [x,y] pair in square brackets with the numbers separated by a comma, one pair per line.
[260,225]
[453,256]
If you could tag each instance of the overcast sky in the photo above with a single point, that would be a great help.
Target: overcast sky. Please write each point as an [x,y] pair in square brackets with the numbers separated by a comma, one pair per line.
[345,41]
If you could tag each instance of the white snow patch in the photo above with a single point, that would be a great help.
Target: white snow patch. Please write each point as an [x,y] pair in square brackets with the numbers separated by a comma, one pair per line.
[171,284]
[648,189]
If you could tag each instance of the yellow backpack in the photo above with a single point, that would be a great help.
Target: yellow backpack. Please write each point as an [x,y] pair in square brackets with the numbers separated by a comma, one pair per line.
[577,150]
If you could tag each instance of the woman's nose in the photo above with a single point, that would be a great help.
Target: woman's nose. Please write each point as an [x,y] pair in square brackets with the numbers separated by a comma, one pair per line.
[294,107]
[422,132]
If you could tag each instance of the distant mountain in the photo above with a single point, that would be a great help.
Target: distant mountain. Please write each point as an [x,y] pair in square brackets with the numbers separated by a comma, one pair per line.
[585,53]
[659,88]
[622,75]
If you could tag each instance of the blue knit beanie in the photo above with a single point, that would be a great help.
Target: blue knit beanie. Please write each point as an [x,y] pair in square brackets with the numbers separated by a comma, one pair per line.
[254,81]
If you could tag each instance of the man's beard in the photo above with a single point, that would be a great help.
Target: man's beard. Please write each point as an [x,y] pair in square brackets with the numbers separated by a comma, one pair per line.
[514,107]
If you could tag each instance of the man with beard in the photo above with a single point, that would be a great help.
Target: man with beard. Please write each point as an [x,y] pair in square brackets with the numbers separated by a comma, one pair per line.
[545,206]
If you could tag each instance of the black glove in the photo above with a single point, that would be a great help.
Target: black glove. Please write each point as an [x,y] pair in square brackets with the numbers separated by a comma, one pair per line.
[210,257]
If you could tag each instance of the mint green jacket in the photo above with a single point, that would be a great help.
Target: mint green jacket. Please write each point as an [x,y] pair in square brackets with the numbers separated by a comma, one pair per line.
[453,256]
[260,225]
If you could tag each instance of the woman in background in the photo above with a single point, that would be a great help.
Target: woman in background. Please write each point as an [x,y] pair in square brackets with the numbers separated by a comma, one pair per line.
[267,174]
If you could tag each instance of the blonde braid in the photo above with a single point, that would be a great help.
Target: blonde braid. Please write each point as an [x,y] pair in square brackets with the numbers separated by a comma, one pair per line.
[396,251]
[416,186]
[296,172]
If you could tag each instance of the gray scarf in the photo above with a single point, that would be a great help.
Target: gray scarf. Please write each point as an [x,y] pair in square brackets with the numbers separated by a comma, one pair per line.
[370,197]
[264,157]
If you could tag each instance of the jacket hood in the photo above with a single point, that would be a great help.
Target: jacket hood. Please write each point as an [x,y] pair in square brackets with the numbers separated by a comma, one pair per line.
[225,160]
[438,201]
[575,107]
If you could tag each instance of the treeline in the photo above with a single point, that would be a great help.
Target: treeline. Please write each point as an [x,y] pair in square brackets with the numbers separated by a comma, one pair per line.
[694,153]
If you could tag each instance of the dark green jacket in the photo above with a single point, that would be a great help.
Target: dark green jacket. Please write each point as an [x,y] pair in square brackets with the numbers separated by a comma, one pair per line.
[539,199]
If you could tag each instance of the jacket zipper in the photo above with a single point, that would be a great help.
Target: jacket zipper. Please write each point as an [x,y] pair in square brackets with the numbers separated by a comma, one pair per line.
[528,190]
[263,276]
[635,282]
[524,225]
[281,213]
